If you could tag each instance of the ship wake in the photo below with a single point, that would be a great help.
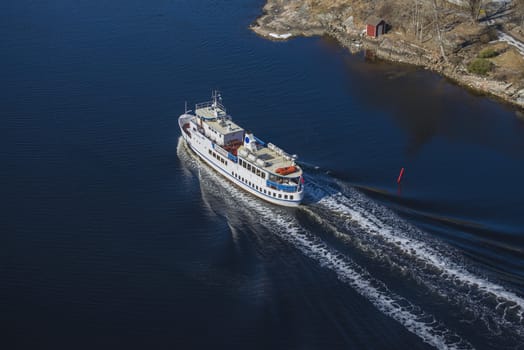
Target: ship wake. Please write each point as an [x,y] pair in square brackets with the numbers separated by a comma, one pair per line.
[355,223]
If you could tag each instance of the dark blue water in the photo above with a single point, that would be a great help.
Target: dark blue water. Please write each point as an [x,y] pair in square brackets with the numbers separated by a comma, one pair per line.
[114,236]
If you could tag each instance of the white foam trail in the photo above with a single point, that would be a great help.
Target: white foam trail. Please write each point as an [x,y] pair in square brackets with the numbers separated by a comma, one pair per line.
[362,212]
[412,317]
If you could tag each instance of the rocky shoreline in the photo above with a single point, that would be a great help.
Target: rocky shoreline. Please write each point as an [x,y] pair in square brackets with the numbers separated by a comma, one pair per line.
[284,20]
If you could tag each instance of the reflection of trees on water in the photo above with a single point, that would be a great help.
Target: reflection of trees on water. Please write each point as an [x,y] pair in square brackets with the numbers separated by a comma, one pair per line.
[426,106]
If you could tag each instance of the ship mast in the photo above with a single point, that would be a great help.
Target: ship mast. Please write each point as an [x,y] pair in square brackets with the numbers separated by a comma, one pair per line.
[215,95]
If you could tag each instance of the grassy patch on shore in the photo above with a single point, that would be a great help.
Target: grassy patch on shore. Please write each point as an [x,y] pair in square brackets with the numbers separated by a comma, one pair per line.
[480,66]
[488,53]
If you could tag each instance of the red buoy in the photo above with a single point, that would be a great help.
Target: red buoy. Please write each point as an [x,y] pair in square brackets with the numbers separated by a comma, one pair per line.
[400,175]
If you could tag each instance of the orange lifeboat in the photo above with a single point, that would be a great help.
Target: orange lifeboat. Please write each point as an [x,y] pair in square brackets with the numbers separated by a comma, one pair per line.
[286,170]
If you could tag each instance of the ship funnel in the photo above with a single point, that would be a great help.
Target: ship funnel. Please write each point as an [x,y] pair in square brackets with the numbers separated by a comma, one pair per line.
[250,143]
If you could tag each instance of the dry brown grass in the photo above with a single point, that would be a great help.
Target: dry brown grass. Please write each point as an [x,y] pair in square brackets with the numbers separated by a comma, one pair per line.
[510,59]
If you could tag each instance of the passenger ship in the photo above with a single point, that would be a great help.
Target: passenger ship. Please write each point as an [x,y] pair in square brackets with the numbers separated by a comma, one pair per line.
[261,169]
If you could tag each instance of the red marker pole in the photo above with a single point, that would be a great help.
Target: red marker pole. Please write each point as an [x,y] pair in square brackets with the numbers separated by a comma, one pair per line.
[400,175]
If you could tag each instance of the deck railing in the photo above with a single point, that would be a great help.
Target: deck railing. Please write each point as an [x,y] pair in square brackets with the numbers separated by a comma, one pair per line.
[210,104]
[285,188]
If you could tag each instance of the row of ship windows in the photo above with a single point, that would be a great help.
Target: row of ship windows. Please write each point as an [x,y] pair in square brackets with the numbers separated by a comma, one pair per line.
[263,190]
[218,157]
[252,168]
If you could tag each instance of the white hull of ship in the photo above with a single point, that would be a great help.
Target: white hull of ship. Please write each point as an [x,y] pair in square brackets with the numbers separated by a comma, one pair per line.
[238,175]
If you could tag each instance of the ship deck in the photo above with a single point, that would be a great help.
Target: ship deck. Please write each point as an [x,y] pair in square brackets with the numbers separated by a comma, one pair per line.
[222,124]
[207,110]
[224,127]
[275,161]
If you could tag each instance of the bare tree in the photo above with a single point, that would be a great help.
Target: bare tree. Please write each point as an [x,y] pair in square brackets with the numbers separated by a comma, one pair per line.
[519,11]
[439,32]
[426,23]
[416,19]
[421,19]
[474,8]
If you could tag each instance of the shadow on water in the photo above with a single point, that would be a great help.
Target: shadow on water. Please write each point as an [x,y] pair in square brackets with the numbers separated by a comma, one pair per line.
[426,105]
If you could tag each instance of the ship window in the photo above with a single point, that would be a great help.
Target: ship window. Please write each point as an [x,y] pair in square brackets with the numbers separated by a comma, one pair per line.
[263,175]
[279,195]
[285,196]
[291,197]
[240,161]
[274,194]
[209,151]
[249,167]
[258,172]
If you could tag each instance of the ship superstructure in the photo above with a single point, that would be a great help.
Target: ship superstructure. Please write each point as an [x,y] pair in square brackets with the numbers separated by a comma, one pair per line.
[262,169]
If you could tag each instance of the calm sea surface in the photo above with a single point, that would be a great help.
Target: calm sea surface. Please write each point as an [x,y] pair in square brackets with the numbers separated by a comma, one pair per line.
[114,236]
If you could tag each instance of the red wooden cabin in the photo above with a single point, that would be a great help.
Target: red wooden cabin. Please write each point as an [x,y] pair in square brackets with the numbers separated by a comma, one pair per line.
[375,26]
